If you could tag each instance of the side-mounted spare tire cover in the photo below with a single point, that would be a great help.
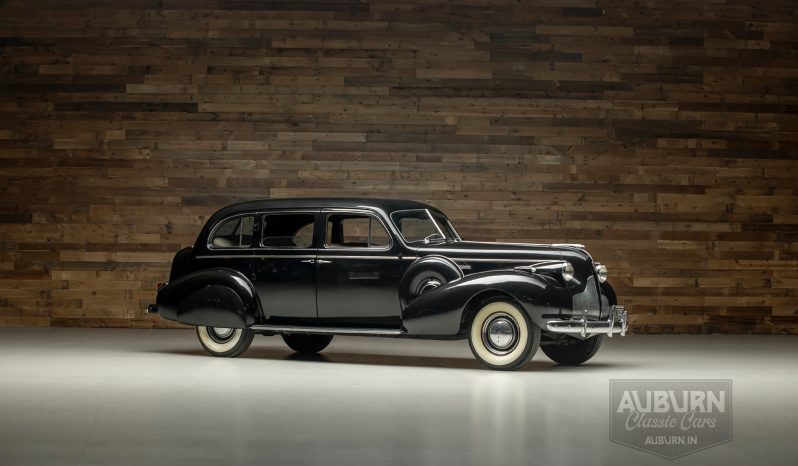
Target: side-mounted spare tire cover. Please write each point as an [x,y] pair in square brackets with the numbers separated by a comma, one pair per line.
[426,274]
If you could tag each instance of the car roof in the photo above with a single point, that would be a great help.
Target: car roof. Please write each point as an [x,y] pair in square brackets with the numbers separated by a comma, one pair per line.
[371,203]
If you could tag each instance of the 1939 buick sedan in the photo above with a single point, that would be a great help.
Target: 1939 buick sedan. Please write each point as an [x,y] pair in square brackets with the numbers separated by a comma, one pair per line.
[309,269]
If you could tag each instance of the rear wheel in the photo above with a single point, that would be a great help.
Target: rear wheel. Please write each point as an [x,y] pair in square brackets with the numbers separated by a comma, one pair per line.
[502,337]
[575,351]
[307,344]
[224,341]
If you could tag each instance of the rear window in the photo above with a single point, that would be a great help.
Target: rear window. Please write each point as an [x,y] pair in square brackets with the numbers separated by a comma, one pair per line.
[235,232]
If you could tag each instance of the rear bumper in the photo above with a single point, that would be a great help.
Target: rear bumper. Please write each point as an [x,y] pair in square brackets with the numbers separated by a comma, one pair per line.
[615,323]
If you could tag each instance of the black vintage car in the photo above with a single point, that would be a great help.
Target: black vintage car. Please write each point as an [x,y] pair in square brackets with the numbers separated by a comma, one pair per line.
[309,269]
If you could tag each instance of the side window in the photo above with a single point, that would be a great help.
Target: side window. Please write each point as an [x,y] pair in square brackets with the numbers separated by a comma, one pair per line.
[355,231]
[235,232]
[288,230]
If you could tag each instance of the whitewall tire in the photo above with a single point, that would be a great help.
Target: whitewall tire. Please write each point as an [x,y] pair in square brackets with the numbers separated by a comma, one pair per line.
[502,336]
[225,342]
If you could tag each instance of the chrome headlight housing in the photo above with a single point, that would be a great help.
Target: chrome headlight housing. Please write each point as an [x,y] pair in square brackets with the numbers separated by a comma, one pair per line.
[601,272]
[567,272]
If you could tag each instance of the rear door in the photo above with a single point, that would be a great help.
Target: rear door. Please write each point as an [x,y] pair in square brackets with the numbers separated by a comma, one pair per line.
[284,266]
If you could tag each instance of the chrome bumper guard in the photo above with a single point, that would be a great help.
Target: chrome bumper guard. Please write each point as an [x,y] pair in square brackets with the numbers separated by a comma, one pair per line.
[616,323]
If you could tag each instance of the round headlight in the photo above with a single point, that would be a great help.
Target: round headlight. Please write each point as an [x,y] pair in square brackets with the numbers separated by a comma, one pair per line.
[567,272]
[601,272]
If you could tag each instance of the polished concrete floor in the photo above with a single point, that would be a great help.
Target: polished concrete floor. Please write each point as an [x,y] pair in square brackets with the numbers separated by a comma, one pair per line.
[151,397]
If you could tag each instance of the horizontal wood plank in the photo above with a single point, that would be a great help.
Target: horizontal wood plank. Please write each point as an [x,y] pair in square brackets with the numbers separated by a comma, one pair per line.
[662,135]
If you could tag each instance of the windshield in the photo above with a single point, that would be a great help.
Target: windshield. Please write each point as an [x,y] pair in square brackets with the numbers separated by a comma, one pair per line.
[423,226]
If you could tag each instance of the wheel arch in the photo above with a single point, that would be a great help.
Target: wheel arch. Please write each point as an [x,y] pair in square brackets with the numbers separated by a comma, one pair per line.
[443,310]
[479,300]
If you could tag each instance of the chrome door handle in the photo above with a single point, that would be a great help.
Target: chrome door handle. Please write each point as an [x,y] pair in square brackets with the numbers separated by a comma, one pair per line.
[308,261]
[322,261]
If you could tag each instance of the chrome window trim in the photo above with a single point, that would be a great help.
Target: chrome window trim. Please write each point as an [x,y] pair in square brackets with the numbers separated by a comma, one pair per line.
[434,222]
[451,227]
[326,214]
[212,233]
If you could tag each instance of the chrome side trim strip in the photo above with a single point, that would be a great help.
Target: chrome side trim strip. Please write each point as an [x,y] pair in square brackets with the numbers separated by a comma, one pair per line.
[284,256]
[570,245]
[384,258]
[302,256]
[255,256]
[331,256]
[482,259]
[444,251]
[226,256]
[327,330]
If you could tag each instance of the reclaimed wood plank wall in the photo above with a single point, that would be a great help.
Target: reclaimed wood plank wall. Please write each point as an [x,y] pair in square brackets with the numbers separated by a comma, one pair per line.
[660,133]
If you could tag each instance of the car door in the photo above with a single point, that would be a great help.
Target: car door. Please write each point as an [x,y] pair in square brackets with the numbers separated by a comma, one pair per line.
[284,266]
[357,271]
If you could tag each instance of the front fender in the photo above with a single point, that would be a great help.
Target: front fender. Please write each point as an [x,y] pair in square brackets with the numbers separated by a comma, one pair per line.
[440,311]
[213,297]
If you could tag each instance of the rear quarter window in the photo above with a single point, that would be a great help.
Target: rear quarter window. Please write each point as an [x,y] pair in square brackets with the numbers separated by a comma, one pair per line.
[234,232]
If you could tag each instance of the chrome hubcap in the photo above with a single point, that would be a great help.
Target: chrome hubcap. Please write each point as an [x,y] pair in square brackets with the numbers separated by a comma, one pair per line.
[500,333]
[221,334]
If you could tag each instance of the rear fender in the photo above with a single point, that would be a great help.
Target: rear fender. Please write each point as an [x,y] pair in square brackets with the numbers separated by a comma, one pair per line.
[214,297]
[441,310]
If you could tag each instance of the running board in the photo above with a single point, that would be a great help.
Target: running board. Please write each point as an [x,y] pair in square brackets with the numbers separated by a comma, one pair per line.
[375,332]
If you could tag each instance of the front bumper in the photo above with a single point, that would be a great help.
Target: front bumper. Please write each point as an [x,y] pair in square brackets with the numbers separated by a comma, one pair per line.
[615,323]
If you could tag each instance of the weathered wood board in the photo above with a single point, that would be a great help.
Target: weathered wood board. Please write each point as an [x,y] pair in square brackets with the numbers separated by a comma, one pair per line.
[663,134]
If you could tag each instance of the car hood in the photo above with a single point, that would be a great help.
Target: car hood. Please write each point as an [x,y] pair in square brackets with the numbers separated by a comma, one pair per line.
[501,253]
[483,250]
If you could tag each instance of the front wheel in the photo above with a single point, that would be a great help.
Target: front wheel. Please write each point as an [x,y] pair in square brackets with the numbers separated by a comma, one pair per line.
[225,342]
[307,344]
[502,337]
[575,351]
